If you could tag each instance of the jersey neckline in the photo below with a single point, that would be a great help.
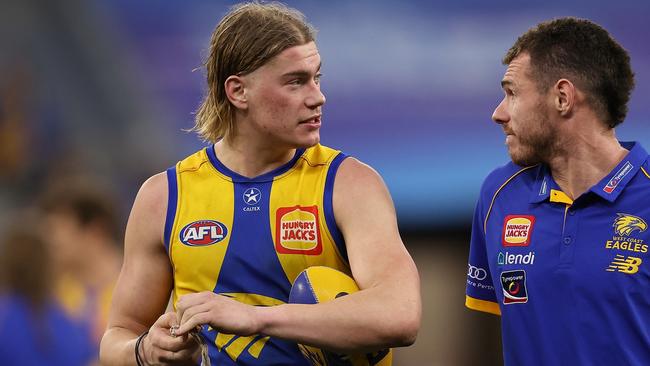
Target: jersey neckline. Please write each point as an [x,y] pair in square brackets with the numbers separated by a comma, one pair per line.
[260,178]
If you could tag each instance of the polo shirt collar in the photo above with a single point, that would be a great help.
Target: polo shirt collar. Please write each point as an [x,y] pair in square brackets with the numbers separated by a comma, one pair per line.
[609,188]
[544,183]
[614,183]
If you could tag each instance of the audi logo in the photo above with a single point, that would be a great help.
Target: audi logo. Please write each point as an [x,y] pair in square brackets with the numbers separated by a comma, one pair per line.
[476,272]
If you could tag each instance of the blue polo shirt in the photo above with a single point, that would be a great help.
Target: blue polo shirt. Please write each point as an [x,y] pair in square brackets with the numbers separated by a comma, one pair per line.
[570,279]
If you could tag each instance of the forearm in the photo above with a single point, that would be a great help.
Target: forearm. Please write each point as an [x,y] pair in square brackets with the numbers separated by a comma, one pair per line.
[118,347]
[372,319]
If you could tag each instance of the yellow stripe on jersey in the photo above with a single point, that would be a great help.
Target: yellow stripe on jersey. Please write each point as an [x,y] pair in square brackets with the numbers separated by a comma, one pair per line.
[197,270]
[482,305]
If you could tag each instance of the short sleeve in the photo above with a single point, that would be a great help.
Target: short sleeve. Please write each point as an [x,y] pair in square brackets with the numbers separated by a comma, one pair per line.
[480,293]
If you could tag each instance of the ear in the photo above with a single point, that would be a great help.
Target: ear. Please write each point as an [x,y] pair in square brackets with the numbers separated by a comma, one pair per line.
[236,91]
[564,97]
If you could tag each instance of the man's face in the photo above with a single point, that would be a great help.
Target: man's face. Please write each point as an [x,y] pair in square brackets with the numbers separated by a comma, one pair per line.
[284,99]
[524,116]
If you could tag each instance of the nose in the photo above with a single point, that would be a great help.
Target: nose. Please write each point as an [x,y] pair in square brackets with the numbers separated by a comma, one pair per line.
[316,97]
[500,114]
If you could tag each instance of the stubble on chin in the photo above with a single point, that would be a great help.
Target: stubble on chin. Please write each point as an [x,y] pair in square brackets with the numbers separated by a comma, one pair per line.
[537,149]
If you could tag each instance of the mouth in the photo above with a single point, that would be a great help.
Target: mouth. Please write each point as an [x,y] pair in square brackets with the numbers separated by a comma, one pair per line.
[312,121]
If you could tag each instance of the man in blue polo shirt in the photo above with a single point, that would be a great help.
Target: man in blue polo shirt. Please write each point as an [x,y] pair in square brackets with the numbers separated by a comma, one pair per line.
[560,235]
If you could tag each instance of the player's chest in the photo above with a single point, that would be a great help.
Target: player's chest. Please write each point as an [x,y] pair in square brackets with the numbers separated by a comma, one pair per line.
[595,245]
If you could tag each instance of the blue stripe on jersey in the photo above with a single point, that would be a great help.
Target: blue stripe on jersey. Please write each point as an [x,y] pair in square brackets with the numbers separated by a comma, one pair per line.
[171,204]
[251,264]
[329,208]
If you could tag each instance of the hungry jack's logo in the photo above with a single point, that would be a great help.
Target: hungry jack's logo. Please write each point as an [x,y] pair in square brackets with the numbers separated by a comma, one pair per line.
[297,231]
[517,230]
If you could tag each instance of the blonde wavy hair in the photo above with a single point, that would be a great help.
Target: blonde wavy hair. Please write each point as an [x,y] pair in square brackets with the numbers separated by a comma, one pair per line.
[247,37]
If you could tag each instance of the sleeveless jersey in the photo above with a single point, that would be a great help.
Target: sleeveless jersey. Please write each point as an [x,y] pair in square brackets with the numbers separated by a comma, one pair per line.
[249,238]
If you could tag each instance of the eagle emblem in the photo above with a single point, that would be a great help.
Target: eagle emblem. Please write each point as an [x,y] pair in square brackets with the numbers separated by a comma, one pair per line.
[625,224]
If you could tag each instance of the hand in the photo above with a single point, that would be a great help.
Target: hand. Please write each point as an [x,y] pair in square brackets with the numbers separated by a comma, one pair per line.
[159,347]
[220,312]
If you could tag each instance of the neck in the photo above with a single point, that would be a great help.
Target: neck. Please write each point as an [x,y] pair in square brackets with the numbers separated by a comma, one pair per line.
[585,160]
[251,160]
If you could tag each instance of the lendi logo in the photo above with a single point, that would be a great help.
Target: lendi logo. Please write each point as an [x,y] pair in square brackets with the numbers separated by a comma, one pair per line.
[509,258]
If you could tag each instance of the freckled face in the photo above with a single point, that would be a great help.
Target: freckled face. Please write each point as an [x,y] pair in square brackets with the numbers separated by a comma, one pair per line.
[284,98]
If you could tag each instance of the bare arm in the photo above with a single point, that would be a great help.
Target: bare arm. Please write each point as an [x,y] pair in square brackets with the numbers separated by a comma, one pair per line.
[385,313]
[144,285]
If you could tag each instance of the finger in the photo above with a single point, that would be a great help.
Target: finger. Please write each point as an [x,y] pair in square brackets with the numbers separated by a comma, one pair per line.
[161,338]
[193,310]
[199,316]
[166,320]
[190,300]
[174,344]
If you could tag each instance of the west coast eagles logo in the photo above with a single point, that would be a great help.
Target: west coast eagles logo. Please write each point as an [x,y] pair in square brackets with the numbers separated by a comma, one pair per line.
[625,224]
[625,241]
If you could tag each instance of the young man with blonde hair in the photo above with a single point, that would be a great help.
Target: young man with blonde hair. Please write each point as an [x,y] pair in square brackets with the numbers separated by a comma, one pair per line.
[229,228]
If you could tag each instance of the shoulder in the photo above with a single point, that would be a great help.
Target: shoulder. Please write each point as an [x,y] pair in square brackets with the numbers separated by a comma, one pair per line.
[196,160]
[507,174]
[353,172]
[153,192]
[360,190]
[147,218]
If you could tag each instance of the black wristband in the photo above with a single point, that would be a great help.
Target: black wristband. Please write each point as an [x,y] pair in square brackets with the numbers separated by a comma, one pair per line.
[138,360]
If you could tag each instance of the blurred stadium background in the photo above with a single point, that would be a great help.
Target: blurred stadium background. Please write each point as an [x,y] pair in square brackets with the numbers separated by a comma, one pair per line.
[104,88]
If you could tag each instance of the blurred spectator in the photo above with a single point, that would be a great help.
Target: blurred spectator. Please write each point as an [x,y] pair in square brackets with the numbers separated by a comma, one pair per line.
[34,329]
[82,227]
[14,129]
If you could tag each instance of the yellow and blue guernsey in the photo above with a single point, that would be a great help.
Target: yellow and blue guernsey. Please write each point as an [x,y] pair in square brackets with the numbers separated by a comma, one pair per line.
[570,278]
[249,238]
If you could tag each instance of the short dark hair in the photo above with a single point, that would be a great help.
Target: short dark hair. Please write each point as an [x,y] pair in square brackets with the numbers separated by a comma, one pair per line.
[585,53]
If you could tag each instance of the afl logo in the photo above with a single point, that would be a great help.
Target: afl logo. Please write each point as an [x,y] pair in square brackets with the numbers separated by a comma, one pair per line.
[203,233]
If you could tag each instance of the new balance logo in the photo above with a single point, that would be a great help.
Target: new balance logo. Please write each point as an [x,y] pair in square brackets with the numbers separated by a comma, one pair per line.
[627,265]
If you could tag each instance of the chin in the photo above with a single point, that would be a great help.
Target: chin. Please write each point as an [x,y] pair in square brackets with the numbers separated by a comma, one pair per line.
[524,160]
[308,142]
